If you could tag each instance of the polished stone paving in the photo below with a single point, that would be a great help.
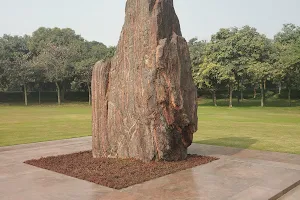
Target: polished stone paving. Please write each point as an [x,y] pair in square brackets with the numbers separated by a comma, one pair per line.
[239,174]
[292,195]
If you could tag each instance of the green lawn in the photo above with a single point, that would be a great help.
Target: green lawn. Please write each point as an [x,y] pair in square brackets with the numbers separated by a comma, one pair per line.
[272,128]
[19,124]
[250,126]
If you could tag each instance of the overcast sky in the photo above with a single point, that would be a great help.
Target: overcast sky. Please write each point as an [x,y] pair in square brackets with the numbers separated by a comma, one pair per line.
[102,20]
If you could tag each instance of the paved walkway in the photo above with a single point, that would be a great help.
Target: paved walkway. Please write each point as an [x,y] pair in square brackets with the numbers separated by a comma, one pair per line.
[292,195]
[239,174]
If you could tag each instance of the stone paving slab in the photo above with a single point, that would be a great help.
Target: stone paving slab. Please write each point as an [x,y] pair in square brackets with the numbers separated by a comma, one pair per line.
[292,195]
[65,142]
[222,179]
[239,174]
[211,150]
[20,181]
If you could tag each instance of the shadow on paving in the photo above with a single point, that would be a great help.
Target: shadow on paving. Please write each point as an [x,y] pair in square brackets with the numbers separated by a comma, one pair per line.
[239,143]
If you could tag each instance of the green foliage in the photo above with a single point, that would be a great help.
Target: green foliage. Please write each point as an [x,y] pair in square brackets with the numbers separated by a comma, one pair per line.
[14,54]
[91,53]
[288,47]
[208,75]
[16,62]
[288,35]
[56,62]
[260,71]
[237,58]
[51,55]
[62,56]
[110,52]
[197,51]
[42,37]
[237,49]
[3,78]
[227,58]
[288,64]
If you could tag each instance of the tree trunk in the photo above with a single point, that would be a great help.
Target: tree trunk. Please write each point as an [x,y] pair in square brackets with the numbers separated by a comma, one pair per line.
[242,95]
[39,96]
[90,96]
[262,87]
[25,95]
[254,93]
[265,84]
[230,95]
[215,98]
[289,97]
[238,97]
[58,93]
[279,88]
[62,93]
[242,90]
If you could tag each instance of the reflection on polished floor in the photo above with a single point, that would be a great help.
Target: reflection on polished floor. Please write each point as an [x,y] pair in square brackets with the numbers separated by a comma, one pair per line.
[239,174]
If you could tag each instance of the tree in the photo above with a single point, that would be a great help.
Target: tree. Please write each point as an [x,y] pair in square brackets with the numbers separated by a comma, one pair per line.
[287,67]
[110,52]
[56,61]
[261,67]
[91,53]
[197,51]
[289,34]
[63,39]
[40,79]
[223,52]
[3,75]
[22,73]
[207,77]
[3,67]
[84,73]
[235,50]
[42,37]
[260,72]
[227,76]
[205,72]
[17,67]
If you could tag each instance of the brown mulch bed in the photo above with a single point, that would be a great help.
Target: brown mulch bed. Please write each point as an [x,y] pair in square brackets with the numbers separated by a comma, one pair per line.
[114,173]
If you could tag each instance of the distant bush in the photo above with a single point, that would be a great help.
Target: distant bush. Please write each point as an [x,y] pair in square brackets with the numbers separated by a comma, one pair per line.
[276,96]
[269,94]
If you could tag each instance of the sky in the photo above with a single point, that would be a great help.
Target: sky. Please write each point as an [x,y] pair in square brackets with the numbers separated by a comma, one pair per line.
[102,20]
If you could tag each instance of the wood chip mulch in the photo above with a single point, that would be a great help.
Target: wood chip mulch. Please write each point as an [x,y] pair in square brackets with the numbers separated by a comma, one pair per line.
[114,173]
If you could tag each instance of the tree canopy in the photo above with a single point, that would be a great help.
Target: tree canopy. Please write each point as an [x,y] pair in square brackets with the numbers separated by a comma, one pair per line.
[50,55]
[236,56]
[234,60]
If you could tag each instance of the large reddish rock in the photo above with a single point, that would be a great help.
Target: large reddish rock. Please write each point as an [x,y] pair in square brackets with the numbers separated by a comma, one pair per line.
[144,98]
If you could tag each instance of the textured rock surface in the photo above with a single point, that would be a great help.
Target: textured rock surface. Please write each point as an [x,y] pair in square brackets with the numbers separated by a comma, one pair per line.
[144,98]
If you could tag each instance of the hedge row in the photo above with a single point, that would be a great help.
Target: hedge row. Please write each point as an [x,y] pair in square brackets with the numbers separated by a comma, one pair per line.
[249,94]
[46,97]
